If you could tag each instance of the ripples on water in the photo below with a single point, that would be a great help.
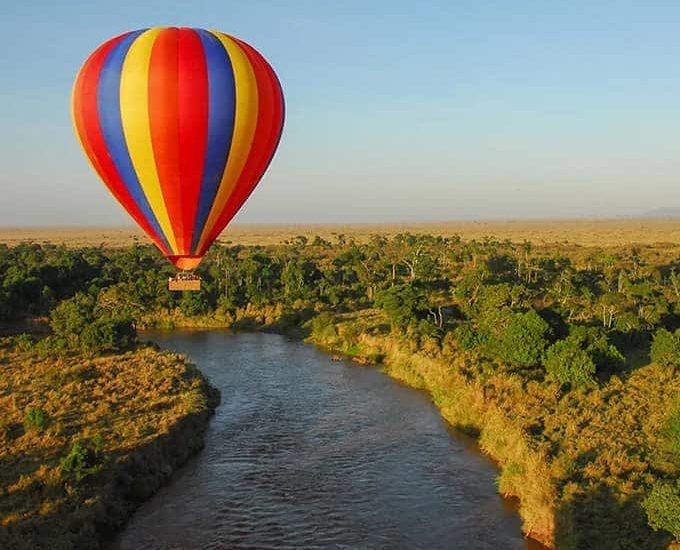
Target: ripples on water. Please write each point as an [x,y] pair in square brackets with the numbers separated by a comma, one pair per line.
[305,452]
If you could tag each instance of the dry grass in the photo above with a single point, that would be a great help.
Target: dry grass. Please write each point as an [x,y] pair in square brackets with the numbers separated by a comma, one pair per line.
[619,232]
[148,408]
[579,462]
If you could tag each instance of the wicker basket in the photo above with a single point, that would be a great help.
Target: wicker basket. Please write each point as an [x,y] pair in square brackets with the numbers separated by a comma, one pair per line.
[184,284]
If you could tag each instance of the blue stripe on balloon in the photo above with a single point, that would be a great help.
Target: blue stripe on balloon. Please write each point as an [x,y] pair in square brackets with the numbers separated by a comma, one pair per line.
[221,115]
[108,107]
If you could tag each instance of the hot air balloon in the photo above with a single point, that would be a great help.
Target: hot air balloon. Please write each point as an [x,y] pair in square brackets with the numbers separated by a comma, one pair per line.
[180,124]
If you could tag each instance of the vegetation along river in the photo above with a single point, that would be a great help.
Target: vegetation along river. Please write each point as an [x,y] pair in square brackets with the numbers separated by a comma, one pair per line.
[306,452]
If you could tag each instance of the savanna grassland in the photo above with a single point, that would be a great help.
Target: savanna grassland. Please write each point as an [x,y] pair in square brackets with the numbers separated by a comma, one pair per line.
[84,439]
[559,351]
[586,232]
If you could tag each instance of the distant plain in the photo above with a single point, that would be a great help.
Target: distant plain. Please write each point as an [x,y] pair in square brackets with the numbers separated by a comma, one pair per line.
[589,233]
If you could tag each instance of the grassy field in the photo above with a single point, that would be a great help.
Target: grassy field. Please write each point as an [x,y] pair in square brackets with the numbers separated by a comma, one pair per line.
[612,233]
[83,441]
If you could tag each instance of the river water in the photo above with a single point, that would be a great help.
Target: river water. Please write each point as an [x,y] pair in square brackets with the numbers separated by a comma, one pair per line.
[305,452]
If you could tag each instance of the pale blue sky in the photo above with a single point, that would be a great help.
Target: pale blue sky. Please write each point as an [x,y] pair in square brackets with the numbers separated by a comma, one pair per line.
[396,111]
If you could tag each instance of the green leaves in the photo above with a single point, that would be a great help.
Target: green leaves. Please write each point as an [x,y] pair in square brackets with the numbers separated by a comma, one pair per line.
[663,507]
[666,348]
[401,303]
[84,457]
[35,420]
[524,340]
[567,363]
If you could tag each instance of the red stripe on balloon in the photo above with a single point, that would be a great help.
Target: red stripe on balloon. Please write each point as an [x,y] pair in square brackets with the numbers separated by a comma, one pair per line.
[164,124]
[192,97]
[86,114]
[278,108]
[265,140]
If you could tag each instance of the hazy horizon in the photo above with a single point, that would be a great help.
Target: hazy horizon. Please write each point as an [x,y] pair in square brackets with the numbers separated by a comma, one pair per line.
[395,114]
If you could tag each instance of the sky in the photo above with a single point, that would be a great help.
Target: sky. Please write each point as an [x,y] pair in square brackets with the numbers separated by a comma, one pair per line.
[395,111]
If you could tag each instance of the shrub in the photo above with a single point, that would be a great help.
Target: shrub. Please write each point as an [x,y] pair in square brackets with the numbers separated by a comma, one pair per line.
[671,430]
[193,303]
[71,317]
[22,342]
[84,457]
[663,507]
[401,303]
[350,333]
[107,335]
[35,419]
[466,336]
[666,348]
[75,326]
[323,326]
[567,362]
[524,340]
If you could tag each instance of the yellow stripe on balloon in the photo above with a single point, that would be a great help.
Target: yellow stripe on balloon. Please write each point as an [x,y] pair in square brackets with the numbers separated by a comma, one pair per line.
[245,122]
[134,113]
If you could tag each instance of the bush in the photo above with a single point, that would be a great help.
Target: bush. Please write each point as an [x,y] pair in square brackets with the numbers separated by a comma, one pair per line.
[193,303]
[323,326]
[84,458]
[71,317]
[663,507]
[666,348]
[35,420]
[466,336]
[671,430]
[76,326]
[524,340]
[401,303]
[567,362]
[22,342]
[108,335]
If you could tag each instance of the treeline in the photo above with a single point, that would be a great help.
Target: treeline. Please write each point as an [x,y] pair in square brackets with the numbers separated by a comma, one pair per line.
[565,316]
[505,299]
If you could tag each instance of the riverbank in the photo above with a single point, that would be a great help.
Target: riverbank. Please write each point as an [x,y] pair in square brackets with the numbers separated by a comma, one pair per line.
[579,463]
[85,441]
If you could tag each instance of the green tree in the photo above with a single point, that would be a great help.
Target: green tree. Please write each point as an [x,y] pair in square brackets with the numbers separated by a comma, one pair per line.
[401,303]
[71,317]
[663,507]
[567,362]
[524,339]
[666,348]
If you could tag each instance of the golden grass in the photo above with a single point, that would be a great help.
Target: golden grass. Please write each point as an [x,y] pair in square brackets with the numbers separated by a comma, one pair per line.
[618,232]
[149,409]
[579,463]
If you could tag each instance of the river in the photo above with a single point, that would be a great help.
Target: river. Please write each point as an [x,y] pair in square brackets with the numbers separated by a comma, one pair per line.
[307,452]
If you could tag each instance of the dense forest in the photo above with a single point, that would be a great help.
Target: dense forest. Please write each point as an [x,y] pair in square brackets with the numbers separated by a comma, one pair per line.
[563,360]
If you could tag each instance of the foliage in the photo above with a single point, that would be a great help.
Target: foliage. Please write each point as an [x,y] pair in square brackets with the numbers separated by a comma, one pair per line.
[567,362]
[35,419]
[666,348]
[671,430]
[323,327]
[663,507]
[466,336]
[74,322]
[524,340]
[84,457]
[402,304]
[588,314]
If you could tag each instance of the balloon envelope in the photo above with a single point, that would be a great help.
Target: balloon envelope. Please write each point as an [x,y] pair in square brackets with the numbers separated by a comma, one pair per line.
[180,124]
